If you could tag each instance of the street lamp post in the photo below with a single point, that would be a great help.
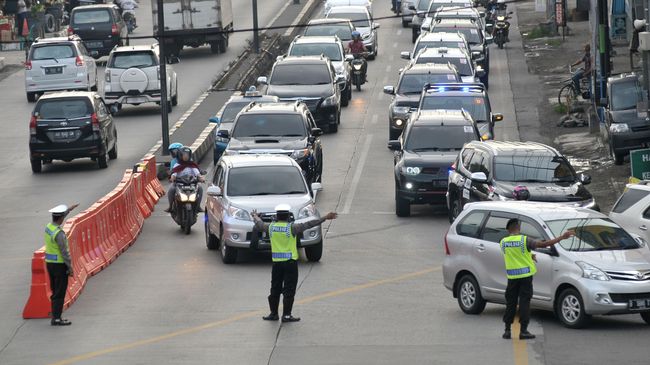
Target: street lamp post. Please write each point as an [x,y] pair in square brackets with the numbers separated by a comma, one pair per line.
[256,37]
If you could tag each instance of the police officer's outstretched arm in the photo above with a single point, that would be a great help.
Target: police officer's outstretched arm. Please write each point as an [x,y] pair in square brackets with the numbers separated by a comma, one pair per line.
[298,228]
[260,226]
[547,243]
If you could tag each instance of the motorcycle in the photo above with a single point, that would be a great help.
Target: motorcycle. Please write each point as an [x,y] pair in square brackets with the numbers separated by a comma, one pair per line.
[129,19]
[358,77]
[185,206]
[501,27]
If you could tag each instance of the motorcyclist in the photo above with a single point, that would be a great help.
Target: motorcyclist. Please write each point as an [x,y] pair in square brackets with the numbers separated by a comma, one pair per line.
[185,167]
[503,18]
[358,49]
[128,6]
[173,151]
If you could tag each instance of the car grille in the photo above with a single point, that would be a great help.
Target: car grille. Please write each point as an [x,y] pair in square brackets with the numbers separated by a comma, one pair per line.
[641,128]
[430,170]
[629,275]
[624,298]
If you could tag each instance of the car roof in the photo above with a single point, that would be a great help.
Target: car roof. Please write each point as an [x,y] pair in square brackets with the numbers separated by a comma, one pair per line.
[273,108]
[510,148]
[431,68]
[641,185]
[454,22]
[455,89]
[143,47]
[250,160]
[70,38]
[252,98]
[95,6]
[541,210]
[348,9]
[623,77]
[456,10]
[442,36]
[442,117]
[442,51]
[321,21]
[302,60]
[316,39]
[68,94]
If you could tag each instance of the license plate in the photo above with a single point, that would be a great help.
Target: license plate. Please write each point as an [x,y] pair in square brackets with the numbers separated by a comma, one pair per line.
[66,135]
[639,304]
[94,44]
[136,100]
[439,183]
[53,70]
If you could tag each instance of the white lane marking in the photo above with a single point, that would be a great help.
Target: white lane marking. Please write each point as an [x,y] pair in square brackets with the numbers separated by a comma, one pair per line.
[280,12]
[391,58]
[394,44]
[399,31]
[388,68]
[383,213]
[357,175]
[374,117]
[300,15]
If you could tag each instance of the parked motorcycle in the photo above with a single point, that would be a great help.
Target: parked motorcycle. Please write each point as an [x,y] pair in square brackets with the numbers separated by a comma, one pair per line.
[185,206]
[358,66]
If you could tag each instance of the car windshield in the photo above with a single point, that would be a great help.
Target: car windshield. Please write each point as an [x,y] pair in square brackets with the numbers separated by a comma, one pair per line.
[91,16]
[63,109]
[439,138]
[331,50]
[413,83]
[126,60]
[265,180]
[472,35]
[464,67]
[341,30]
[533,168]
[625,95]
[269,125]
[475,106]
[231,110]
[592,234]
[438,44]
[423,4]
[315,74]
[57,51]
[357,19]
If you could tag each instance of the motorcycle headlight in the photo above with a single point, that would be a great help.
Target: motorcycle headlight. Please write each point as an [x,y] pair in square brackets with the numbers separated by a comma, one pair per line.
[300,154]
[192,198]
[239,213]
[184,197]
[401,109]
[619,128]
[357,66]
[307,211]
[410,170]
[330,101]
[592,272]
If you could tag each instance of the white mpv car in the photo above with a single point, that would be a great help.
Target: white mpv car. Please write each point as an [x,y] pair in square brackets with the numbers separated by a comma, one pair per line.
[602,270]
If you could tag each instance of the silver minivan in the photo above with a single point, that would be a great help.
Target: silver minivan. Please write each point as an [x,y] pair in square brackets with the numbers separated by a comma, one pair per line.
[602,270]
[243,183]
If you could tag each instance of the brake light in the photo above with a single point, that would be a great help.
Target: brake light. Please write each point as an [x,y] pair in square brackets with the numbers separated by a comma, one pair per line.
[95,122]
[114,30]
[28,65]
[447,245]
[452,168]
[70,30]
[32,125]
[108,76]
[79,61]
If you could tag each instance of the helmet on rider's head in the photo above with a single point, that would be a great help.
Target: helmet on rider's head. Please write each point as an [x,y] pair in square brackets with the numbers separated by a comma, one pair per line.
[520,193]
[173,148]
[356,34]
[185,154]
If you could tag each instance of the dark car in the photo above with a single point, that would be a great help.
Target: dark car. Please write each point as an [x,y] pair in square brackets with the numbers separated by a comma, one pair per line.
[409,88]
[311,79]
[279,128]
[69,125]
[473,98]
[100,26]
[473,32]
[491,170]
[424,155]
[625,129]
[225,117]
[341,28]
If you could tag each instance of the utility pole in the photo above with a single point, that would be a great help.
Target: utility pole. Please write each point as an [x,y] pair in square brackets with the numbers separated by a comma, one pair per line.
[256,36]
[603,48]
[164,117]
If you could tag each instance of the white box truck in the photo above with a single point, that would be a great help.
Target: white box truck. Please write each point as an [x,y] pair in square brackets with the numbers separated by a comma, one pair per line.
[194,23]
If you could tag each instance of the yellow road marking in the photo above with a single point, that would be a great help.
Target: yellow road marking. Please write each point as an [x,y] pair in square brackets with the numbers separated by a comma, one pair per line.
[187,331]
[519,347]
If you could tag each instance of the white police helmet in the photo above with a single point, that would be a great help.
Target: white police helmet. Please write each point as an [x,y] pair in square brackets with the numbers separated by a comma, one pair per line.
[282,208]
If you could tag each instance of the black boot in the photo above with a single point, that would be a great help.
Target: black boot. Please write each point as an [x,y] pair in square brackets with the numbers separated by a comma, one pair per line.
[506,334]
[274,303]
[524,334]
[287,307]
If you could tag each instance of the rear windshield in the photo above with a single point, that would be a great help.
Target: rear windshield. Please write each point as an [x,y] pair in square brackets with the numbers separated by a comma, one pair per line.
[342,30]
[91,16]
[475,106]
[316,74]
[357,19]
[265,180]
[133,59]
[413,83]
[55,51]
[269,125]
[533,168]
[472,35]
[462,64]
[331,50]
[439,138]
[628,199]
[438,44]
[63,108]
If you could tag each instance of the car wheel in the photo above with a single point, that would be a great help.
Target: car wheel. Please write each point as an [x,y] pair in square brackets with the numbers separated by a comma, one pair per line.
[31,97]
[469,296]
[345,96]
[350,90]
[228,254]
[215,47]
[393,134]
[175,97]
[454,208]
[618,158]
[646,317]
[169,106]
[405,23]
[334,127]
[402,206]
[112,154]
[211,241]
[37,165]
[570,309]
[102,161]
[414,36]
[486,81]
[314,252]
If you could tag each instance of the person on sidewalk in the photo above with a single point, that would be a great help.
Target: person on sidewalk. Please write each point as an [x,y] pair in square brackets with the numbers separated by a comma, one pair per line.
[58,262]
[284,252]
[23,6]
[584,72]
[520,269]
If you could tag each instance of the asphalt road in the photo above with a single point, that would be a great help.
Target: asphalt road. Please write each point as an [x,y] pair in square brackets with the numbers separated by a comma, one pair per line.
[375,298]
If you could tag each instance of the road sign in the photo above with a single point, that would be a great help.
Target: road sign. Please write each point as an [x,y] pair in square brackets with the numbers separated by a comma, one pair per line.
[640,163]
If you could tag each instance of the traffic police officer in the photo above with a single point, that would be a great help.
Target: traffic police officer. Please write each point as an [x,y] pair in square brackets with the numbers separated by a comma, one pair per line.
[520,268]
[284,252]
[57,259]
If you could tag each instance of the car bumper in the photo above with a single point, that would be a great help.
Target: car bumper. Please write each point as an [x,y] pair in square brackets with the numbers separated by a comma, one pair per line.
[237,233]
[152,96]
[325,115]
[626,142]
[43,152]
[76,83]
[613,296]
[427,189]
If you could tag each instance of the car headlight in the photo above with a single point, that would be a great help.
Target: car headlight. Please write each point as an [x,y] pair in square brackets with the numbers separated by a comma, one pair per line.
[307,211]
[219,138]
[410,170]
[239,213]
[592,272]
[588,203]
[366,35]
[401,109]
[183,196]
[619,128]
[300,154]
[398,123]
[330,101]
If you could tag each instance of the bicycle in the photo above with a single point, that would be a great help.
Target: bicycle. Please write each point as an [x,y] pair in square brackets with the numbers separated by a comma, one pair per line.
[568,93]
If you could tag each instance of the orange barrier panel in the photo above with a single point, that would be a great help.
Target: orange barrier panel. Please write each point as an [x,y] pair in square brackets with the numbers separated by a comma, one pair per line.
[152,178]
[96,237]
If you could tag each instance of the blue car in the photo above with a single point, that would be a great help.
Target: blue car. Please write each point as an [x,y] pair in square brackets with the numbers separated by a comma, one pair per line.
[226,115]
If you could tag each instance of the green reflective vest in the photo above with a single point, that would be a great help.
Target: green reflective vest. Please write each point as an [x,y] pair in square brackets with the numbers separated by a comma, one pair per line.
[52,252]
[284,245]
[519,261]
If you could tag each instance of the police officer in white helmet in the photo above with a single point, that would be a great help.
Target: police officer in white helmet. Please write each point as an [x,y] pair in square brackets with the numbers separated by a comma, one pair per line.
[284,251]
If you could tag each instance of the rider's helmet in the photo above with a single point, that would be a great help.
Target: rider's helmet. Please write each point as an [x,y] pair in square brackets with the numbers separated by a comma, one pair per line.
[356,34]
[173,148]
[185,154]
[282,212]
[520,193]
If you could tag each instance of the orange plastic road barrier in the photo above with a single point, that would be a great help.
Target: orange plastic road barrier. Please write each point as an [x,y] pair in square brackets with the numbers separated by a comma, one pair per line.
[25,30]
[96,237]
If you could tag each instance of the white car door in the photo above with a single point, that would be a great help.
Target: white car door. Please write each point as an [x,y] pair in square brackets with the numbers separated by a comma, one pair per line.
[489,259]
[543,281]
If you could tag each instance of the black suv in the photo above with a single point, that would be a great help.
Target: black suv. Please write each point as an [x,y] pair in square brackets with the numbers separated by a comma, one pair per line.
[424,155]
[69,125]
[100,26]
[278,128]
[473,98]
[491,170]
[311,79]
[412,79]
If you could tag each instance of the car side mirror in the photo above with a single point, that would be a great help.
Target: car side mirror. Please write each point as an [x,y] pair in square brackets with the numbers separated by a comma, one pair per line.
[497,117]
[405,55]
[375,25]
[173,59]
[395,145]
[585,179]
[412,7]
[640,240]
[316,132]
[214,120]
[489,39]
[214,191]
[315,188]
[349,57]
[478,177]
[390,90]
[223,134]
[262,80]
[340,78]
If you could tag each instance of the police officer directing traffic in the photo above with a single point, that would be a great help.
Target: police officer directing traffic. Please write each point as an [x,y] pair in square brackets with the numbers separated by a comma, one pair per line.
[284,251]
[57,259]
[520,268]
